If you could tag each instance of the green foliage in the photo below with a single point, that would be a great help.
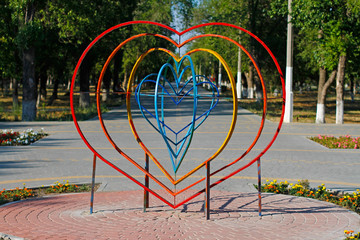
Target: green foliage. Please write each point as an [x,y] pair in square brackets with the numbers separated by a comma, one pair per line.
[327,30]
[60,31]
[252,16]
[29,35]
[9,57]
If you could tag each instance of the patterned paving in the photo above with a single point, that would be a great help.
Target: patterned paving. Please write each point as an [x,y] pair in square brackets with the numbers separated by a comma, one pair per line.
[119,215]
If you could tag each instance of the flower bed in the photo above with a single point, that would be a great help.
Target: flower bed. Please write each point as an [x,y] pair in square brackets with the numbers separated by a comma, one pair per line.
[15,194]
[24,193]
[351,235]
[344,142]
[12,138]
[302,189]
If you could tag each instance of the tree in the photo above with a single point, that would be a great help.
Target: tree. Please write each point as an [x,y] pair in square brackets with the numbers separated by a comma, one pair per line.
[336,24]
[29,31]
[252,16]
[78,23]
[10,62]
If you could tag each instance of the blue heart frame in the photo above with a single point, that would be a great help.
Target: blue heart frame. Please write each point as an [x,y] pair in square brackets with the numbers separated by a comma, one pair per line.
[161,92]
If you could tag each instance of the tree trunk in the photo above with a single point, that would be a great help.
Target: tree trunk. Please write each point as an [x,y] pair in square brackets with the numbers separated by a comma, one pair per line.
[117,67]
[259,92]
[54,95]
[29,82]
[352,89]
[84,100]
[322,89]
[5,88]
[321,98]
[42,87]
[106,85]
[15,94]
[340,90]
[250,82]
[125,80]
[29,85]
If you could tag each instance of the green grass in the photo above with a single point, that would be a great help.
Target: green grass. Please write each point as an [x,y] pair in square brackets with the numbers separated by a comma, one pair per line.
[304,108]
[59,110]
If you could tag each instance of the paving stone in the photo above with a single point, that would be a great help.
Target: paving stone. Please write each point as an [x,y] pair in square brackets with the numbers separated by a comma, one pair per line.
[58,217]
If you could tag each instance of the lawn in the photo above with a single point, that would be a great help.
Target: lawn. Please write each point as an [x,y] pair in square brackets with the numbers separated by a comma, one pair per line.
[58,111]
[305,108]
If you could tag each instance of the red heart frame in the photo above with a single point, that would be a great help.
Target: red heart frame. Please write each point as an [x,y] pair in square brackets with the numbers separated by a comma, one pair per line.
[179,45]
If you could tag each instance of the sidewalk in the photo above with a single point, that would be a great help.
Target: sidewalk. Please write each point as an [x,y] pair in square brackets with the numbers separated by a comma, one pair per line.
[119,215]
[118,206]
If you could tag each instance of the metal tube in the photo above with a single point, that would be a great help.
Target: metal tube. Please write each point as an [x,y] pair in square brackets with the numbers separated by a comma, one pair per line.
[93,185]
[207,192]
[259,185]
[146,193]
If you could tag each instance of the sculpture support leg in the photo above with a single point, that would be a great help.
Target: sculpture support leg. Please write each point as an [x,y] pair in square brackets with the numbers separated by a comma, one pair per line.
[146,193]
[207,192]
[259,185]
[92,185]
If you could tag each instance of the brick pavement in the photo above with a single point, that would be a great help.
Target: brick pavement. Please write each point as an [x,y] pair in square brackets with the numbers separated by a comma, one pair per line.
[119,215]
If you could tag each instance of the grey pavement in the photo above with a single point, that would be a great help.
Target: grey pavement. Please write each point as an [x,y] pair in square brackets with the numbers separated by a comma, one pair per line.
[64,156]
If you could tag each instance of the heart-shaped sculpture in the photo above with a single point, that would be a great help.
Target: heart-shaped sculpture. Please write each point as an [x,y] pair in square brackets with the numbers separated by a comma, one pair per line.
[179,60]
[180,142]
[234,100]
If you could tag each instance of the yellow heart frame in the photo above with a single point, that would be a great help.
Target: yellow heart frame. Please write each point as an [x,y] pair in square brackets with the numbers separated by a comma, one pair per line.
[234,117]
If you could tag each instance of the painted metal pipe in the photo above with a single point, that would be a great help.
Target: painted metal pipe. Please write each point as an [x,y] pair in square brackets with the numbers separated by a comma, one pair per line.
[146,193]
[207,192]
[93,185]
[259,185]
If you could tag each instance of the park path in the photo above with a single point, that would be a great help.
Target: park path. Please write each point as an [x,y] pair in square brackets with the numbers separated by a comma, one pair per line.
[63,156]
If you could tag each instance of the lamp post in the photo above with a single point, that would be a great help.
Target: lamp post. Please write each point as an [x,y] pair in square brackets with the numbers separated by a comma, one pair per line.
[220,76]
[288,117]
[239,84]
